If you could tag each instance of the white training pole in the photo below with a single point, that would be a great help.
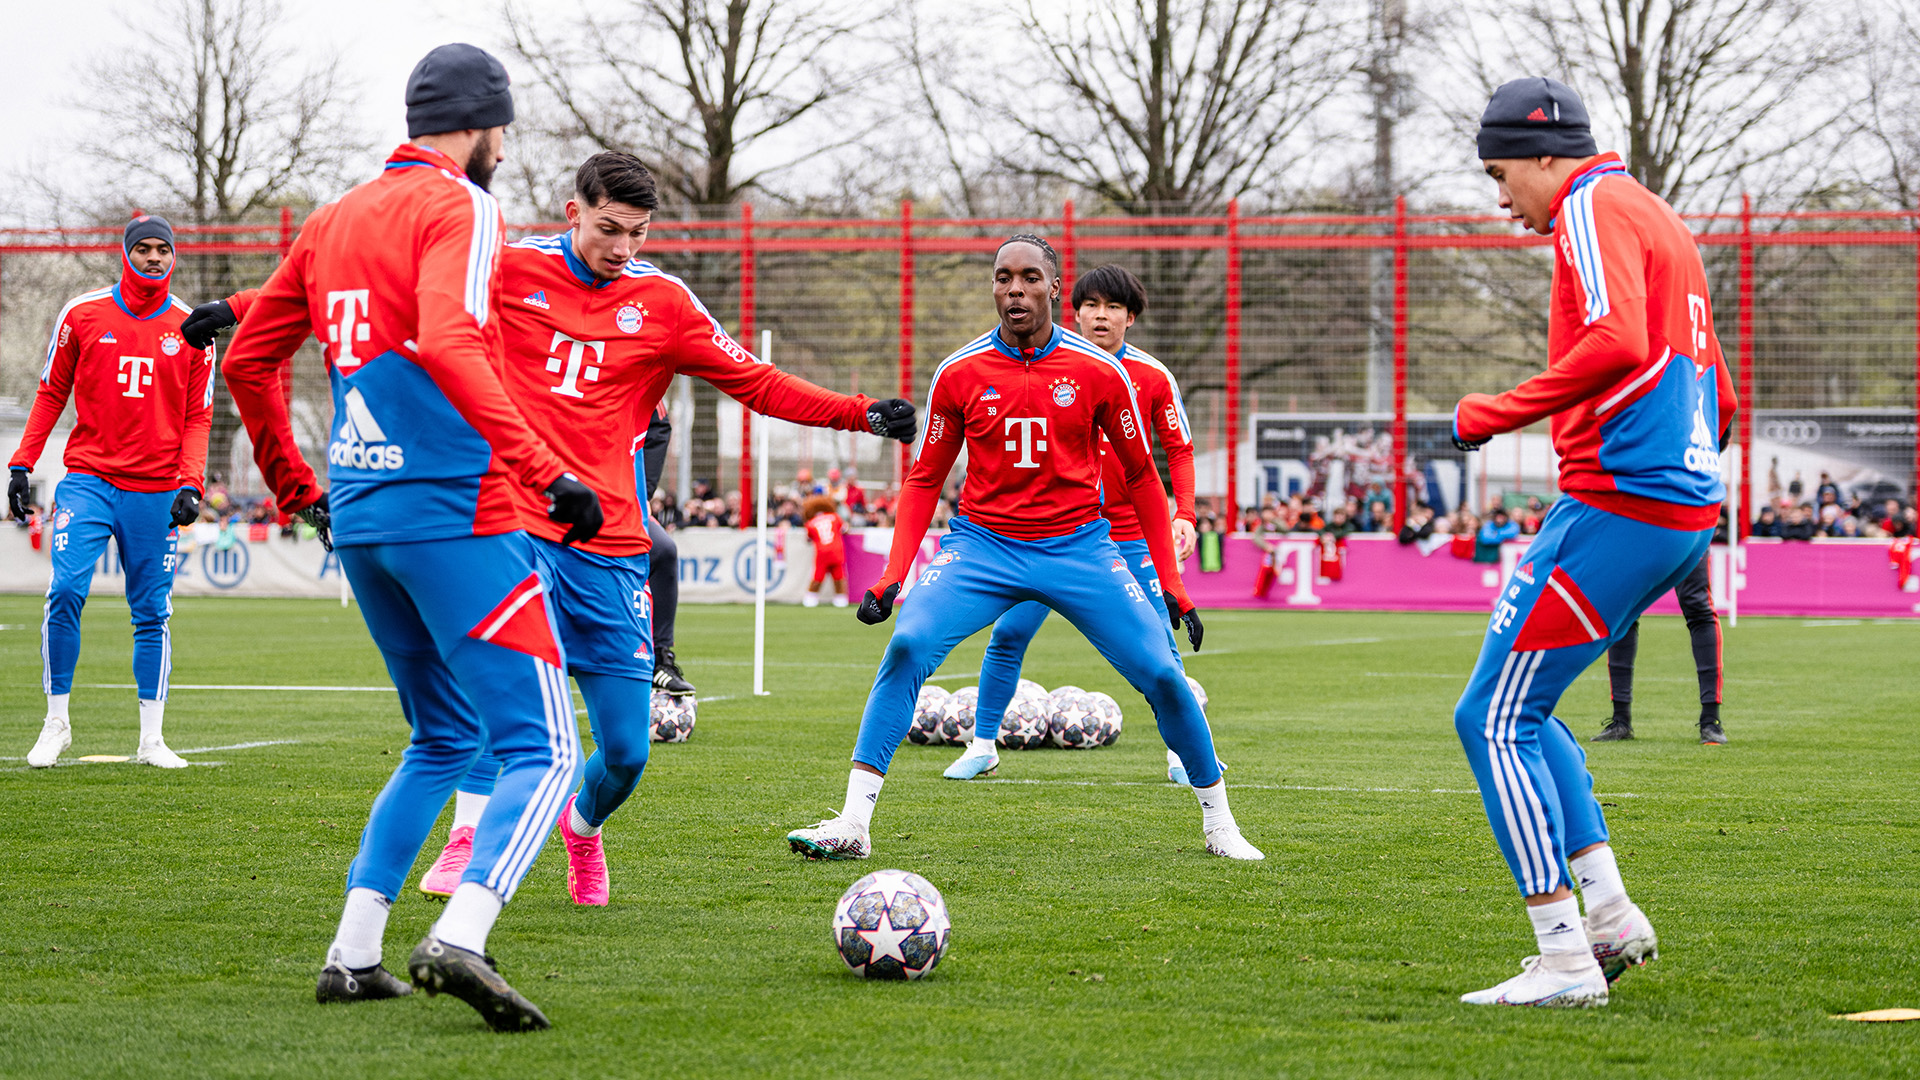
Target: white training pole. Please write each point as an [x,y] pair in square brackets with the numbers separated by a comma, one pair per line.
[1733,539]
[760,540]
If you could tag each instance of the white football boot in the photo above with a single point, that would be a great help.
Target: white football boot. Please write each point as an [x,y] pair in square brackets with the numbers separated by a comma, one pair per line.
[835,838]
[970,765]
[1227,843]
[154,752]
[56,735]
[1570,981]
[1621,937]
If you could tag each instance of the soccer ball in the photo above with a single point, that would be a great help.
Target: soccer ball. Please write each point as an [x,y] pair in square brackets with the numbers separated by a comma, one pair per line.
[956,716]
[672,717]
[891,924]
[926,716]
[1106,713]
[1072,724]
[1025,724]
[1029,688]
[1199,692]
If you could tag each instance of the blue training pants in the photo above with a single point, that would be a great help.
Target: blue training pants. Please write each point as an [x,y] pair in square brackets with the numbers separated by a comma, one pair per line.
[603,605]
[979,575]
[1580,584]
[1014,631]
[472,655]
[86,511]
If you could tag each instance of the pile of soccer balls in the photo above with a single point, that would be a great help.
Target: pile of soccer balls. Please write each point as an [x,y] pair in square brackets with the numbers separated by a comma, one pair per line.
[1069,718]
[672,717]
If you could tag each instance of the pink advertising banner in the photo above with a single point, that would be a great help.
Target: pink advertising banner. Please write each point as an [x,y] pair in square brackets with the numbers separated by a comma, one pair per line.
[1824,578]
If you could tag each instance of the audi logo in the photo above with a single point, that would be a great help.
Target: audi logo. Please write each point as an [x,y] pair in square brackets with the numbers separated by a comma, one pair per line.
[1791,432]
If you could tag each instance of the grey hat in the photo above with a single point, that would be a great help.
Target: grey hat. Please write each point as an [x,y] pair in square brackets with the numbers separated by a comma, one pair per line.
[456,87]
[1535,117]
[146,227]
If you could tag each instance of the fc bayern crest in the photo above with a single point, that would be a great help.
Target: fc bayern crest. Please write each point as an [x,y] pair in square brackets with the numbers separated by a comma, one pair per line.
[1063,394]
[627,319]
[170,344]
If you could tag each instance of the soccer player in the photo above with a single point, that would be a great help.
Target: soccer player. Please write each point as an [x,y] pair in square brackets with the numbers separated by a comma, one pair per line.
[1640,400]
[1695,594]
[399,279]
[594,336]
[1030,402]
[1106,303]
[828,534]
[143,404]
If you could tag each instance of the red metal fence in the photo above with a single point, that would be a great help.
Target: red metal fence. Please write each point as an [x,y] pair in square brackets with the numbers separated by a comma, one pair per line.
[1296,314]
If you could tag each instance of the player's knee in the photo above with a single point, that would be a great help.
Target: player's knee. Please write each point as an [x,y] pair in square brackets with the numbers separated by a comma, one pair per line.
[1470,719]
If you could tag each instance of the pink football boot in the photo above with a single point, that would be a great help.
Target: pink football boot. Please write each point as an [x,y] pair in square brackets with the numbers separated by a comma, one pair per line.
[445,875]
[586,863]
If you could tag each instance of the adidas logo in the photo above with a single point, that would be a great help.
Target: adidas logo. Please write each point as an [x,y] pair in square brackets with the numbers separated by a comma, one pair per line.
[107,338]
[539,299]
[990,395]
[360,442]
[1538,114]
[1525,572]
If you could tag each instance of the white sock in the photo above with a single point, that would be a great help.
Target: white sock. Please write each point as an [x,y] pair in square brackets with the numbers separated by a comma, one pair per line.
[362,924]
[579,824]
[469,917]
[1598,873]
[863,790]
[467,808]
[839,600]
[1213,806]
[151,713]
[57,707]
[1557,927]
[981,746]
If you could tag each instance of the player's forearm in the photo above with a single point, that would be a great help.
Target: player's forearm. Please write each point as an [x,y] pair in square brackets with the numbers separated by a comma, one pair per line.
[193,446]
[1150,504]
[1612,350]
[913,512]
[48,404]
[254,383]
[771,392]
[1180,471]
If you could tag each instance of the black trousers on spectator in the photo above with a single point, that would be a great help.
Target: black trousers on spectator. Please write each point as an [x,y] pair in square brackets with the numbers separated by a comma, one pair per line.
[663,578]
[1703,626]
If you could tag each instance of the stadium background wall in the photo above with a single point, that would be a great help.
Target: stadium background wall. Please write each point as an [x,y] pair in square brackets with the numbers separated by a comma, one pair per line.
[1257,316]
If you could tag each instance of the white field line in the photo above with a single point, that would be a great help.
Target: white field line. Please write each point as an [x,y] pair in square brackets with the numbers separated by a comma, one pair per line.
[238,746]
[1273,787]
[221,686]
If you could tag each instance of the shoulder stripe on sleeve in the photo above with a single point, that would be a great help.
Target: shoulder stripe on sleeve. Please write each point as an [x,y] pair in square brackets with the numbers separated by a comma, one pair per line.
[482,248]
[1096,352]
[1173,386]
[972,348]
[636,268]
[60,320]
[1584,243]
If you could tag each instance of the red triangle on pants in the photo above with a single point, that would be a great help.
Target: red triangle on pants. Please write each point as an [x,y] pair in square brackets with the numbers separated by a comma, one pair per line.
[519,622]
[1562,616]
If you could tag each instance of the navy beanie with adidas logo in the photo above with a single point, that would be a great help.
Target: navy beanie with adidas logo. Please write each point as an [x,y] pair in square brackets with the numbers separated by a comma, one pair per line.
[1535,117]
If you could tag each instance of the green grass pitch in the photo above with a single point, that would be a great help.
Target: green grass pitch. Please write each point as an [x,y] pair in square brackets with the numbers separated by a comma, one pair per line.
[171,924]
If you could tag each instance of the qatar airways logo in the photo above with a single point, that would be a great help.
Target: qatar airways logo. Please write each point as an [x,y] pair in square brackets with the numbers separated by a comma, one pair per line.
[346,324]
[136,373]
[576,365]
[1026,442]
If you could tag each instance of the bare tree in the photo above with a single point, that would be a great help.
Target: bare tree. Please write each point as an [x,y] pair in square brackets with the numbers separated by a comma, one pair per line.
[708,92]
[1888,131]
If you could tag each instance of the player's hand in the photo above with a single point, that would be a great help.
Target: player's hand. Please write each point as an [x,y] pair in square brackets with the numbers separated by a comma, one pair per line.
[321,518]
[573,503]
[203,322]
[186,507]
[875,609]
[17,492]
[1185,539]
[1191,617]
[892,419]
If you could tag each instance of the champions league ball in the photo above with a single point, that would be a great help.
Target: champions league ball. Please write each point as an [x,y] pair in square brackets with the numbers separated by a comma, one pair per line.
[891,924]
[672,717]
[1106,716]
[1029,688]
[1025,724]
[1072,724]
[1199,692]
[956,716]
[926,716]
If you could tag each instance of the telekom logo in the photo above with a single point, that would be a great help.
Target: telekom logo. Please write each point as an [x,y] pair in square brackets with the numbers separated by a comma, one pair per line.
[1025,442]
[136,372]
[350,325]
[574,363]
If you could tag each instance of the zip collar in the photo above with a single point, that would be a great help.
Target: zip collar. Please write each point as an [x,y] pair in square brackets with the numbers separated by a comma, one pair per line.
[1027,356]
[136,290]
[415,156]
[579,267]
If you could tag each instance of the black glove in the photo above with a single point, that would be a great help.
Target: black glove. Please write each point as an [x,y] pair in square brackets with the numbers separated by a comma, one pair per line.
[186,507]
[203,322]
[875,609]
[321,518]
[17,492]
[892,419]
[573,503]
[1191,617]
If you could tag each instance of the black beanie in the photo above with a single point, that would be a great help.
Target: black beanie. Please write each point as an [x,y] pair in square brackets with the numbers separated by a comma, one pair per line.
[146,227]
[456,87]
[1535,117]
